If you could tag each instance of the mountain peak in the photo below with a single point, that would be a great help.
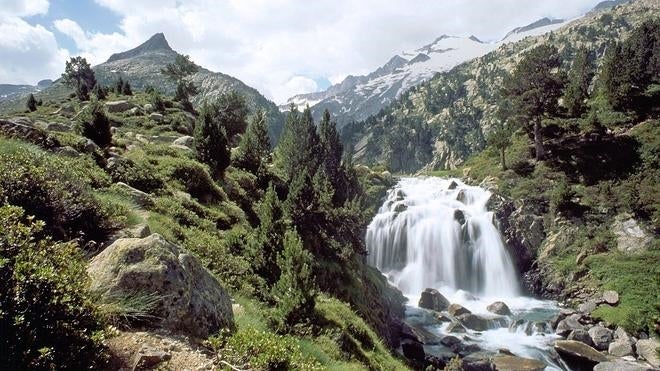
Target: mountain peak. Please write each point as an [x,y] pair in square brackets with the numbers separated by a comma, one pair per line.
[155,42]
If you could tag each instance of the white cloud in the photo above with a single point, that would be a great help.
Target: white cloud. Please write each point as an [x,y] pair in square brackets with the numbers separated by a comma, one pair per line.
[29,53]
[23,8]
[278,46]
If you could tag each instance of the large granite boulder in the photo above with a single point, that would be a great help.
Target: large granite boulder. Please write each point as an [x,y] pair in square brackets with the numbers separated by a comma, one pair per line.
[601,337]
[500,308]
[630,235]
[512,363]
[119,106]
[578,355]
[191,300]
[648,349]
[432,299]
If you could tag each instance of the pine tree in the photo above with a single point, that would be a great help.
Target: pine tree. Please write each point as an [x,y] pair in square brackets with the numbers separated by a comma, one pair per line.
[99,92]
[126,89]
[119,86]
[254,149]
[298,151]
[79,75]
[233,111]
[500,138]
[31,103]
[179,72]
[295,291]
[271,229]
[332,150]
[533,91]
[211,144]
[96,125]
[577,90]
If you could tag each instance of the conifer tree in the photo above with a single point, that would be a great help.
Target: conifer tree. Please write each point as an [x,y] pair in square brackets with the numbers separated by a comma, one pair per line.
[533,91]
[295,291]
[233,111]
[79,75]
[579,79]
[179,72]
[119,86]
[271,229]
[99,92]
[211,144]
[31,103]
[254,149]
[332,150]
[126,88]
[95,124]
[298,151]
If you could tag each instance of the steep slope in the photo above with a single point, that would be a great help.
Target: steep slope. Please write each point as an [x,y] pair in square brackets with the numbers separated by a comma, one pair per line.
[358,97]
[141,67]
[441,122]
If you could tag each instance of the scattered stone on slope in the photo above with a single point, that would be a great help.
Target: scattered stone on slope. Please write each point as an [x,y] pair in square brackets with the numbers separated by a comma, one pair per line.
[432,299]
[611,297]
[141,198]
[580,335]
[119,106]
[158,117]
[569,324]
[185,140]
[65,110]
[147,358]
[191,300]
[630,235]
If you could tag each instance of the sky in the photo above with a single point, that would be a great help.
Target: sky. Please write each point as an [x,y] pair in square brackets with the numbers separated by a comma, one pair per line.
[280,47]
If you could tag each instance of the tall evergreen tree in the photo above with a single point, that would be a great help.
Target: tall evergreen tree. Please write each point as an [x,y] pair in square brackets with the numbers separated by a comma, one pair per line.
[332,150]
[298,151]
[126,88]
[233,111]
[119,86]
[579,79]
[79,75]
[271,229]
[500,138]
[533,91]
[254,149]
[211,144]
[179,72]
[99,92]
[31,103]
[295,291]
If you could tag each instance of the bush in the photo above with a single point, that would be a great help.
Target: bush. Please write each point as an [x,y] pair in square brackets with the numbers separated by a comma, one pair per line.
[55,190]
[560,197]
[156,100]
[262,350]
[46,319]
[31,103]
[95,124]
[138,174]
[193,177]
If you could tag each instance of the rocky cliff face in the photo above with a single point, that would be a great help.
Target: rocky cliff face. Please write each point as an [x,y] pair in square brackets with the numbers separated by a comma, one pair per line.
[456,108]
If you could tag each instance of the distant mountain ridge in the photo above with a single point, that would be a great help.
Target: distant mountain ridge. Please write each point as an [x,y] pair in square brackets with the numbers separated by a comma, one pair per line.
[141,67]
[358,97]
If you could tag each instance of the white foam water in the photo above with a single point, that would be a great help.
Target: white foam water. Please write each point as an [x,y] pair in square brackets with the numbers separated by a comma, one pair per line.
[438,233]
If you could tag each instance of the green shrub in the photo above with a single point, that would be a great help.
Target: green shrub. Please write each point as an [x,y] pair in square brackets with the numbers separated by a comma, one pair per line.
[55,190]
[262,350]
[192,177]
[95,124]
[156,100]
[560,197]
[139,174]
[46,318]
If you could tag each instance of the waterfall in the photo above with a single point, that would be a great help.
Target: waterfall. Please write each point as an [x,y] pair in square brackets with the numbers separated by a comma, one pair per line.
[434,232]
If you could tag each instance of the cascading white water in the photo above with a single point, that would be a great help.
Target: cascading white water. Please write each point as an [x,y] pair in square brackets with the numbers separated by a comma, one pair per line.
[438,233]
[434,232]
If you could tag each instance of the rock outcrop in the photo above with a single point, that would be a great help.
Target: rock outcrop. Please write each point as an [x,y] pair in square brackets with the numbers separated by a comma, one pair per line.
[191,300]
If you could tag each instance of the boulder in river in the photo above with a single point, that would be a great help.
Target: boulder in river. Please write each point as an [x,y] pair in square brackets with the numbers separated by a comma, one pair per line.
[620,348]
[580,335]
[513,363]
[432,299]
[479,323]
[601,337]
[578,355]
[457,310]
[648,349]
[568,324]
[500,308]
[622,365]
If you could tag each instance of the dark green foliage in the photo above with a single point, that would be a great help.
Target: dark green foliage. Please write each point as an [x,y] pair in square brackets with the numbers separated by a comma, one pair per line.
[79,75]
[253,152]
[269,235]
[99,92]
[55,190]
[211,143]
[576,94]
[533,91]
[31,103]
[140,174]
[126,88]
[295,291]
[500,138]
[298,150]
[156,100]
[232,111]
[192,177]
[560,198]
[631,68]
[46,319]
[119,86]
[178,72]
[95,124]
[332,152]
